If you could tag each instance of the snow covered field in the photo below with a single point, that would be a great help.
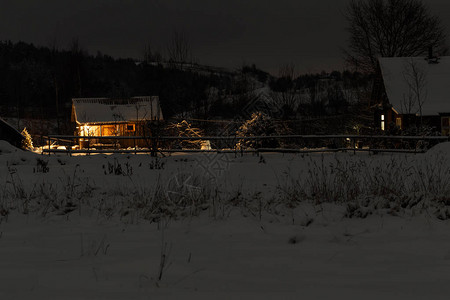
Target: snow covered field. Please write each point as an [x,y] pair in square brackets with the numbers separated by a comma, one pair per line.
[319,226]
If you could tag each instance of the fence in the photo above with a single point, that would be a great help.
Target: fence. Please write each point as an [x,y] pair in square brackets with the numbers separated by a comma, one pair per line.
[235,144]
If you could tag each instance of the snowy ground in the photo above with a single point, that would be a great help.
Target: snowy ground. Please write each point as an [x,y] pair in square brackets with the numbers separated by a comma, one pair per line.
[333,226]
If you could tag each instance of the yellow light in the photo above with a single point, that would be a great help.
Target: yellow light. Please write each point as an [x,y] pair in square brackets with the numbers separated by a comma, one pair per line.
[85,130]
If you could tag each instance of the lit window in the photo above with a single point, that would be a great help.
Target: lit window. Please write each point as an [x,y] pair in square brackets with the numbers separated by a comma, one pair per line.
[130,127]
[88,130]
[85,130]
[382,123]
[445,128]
[109,130]
[398,122]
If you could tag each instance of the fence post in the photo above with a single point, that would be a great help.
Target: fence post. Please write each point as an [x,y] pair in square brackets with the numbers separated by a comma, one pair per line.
[354,145]
[152,145]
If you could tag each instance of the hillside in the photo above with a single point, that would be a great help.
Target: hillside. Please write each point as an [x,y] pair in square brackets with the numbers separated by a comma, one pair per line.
[38,83]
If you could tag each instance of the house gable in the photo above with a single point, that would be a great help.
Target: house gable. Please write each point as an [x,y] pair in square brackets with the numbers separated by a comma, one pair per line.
[434,87]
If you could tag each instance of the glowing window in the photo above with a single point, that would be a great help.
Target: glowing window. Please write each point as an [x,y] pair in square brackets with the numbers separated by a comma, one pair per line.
[88,130]
[109,130]
[130,127]
[445,128]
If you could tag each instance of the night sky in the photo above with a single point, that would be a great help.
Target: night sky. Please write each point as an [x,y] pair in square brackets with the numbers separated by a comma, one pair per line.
[310,34]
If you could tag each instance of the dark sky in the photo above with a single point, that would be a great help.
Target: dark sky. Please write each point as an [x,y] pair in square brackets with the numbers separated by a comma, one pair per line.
[227,33]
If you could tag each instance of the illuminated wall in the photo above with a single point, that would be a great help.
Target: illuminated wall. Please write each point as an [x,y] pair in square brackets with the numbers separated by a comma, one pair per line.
[89,130]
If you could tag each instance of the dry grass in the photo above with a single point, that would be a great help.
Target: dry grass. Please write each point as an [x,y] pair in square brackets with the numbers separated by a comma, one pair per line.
[400,185]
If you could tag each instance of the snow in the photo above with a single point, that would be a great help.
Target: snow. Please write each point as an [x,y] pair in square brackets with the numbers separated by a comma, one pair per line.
[238,258]
[94,111]
[435,88]
[6,147]
[442,149]
[91,236]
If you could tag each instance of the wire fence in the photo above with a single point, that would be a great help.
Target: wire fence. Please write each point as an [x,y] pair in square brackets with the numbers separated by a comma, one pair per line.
[237,144]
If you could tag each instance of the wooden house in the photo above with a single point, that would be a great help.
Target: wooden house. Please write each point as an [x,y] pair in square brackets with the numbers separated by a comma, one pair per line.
[10,134]
[413,91]
[100,117]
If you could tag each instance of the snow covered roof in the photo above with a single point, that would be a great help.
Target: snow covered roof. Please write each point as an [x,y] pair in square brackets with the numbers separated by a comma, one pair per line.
[9,126]
[10,134]
[104,110]
[434,82]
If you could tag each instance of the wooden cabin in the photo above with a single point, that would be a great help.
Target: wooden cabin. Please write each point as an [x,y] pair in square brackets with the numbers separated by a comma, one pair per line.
[413,91]
[101,117]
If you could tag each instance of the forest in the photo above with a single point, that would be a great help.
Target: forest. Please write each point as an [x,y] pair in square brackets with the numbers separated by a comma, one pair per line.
[39,82]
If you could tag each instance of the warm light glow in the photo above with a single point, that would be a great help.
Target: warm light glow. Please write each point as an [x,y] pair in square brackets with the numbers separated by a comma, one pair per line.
[87,130]
[445,125]
[130,127]
[382,123]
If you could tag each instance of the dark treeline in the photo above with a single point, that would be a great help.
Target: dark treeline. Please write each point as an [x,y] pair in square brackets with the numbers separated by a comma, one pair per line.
[39,83]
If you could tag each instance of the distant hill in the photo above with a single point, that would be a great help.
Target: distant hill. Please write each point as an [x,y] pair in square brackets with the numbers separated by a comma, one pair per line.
[39,83]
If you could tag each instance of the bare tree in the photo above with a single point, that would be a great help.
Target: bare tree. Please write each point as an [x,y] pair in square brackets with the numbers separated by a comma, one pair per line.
[390,28]
[53,45]
[179,49]
[415,77]
[408,103]
[152,56]
[287,97]
[287,70]
[76,53]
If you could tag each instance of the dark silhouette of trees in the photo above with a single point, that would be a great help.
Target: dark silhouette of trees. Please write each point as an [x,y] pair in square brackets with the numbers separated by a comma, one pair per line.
[390,28]
[55,71]
[261,75]
[39,82]
[76,64]
[286,93]
[179,50]
[152,56]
